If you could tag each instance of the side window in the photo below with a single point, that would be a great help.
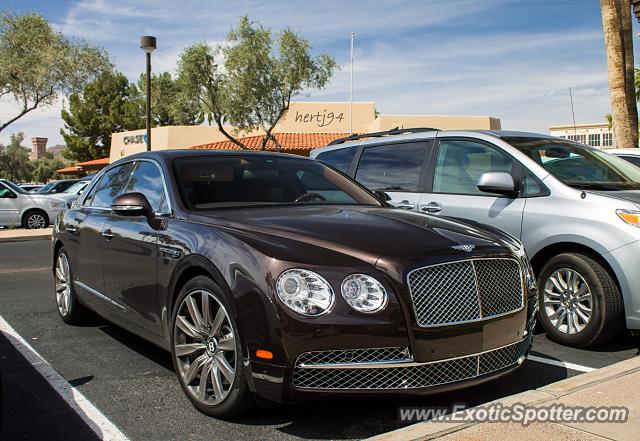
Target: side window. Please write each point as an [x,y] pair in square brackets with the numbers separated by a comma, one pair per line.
[338,158]
[109,186]
[394,167]
[5,193]
[147,179]
[460,164]
[532,186]
[635,160]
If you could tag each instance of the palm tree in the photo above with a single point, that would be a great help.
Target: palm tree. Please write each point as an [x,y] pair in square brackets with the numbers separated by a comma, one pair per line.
[616,22]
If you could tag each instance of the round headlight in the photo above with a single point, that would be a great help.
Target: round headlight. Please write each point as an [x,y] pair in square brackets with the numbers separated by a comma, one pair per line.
[304,292]
[364,293]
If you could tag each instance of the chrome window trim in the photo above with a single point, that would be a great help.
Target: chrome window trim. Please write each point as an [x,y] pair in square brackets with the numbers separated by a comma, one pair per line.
[134,161]
[481,318]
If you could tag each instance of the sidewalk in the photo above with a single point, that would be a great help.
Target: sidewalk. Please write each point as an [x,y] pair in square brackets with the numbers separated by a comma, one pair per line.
[615,385]
[22,234]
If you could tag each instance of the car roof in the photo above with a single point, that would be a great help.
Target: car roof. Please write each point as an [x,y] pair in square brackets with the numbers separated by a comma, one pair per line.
[167,155]
[434,134]
[632,151]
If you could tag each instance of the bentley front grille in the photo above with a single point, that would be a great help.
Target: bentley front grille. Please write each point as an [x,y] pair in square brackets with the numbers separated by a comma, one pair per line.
[466,291]
[406,374]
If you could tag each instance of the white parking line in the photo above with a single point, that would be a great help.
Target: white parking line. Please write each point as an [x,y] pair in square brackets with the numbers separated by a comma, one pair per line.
[573,367]
[95,419]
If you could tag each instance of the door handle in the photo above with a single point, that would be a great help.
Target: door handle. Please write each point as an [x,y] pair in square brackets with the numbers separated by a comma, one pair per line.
[431,207]
[71,229]
[107,234]
[405,205]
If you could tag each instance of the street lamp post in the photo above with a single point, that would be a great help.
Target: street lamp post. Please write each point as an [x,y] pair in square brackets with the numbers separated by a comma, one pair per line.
[148,44]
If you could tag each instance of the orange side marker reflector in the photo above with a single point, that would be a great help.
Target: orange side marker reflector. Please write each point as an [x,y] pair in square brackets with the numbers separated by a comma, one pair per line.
[261,353]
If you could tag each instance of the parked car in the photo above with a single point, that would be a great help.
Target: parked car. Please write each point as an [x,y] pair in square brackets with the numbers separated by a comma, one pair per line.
[629,155]
[31,188]
[72,193]
[57,186]
[575,208]
[29,210]
[275,276]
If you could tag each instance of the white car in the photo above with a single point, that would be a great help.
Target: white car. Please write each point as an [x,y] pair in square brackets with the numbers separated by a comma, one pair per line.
[629,155]
[29,210]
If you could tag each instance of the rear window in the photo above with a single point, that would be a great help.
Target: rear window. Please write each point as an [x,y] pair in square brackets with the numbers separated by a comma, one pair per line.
[338,158]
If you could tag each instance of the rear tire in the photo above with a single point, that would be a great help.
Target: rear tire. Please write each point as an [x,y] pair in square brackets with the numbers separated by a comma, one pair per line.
[70,310]
[35,219]
[205,346]
[580,304]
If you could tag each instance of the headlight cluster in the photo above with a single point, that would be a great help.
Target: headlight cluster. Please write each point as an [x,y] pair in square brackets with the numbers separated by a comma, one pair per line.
[308,293]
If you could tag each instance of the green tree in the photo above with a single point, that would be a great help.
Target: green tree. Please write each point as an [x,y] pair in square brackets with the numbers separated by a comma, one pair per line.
[170,105]
[261,74]
[39,64]
[106,105]
[14,160]
[46,168]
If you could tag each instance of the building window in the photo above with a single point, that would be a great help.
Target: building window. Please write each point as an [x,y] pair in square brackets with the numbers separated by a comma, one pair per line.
[607,139]
[594,139]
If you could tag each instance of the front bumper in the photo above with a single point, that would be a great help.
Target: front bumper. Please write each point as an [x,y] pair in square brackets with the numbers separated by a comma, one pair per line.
[624,262]
[387,370]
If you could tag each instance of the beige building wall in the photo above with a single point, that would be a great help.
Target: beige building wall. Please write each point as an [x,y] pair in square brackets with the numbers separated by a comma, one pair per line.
[442,122]
[327,117]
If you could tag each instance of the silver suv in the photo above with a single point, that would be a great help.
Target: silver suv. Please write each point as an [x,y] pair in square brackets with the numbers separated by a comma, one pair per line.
[29,210]
[575,208]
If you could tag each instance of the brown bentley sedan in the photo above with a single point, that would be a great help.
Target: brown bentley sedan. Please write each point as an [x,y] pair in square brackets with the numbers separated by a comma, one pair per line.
[278,277]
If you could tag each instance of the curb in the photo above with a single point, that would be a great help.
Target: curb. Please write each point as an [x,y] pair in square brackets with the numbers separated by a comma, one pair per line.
[435,429]
[24,237]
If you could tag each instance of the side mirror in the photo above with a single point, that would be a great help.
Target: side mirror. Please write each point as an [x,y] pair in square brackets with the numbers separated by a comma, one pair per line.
[497,182]
[384,197]
[132,204]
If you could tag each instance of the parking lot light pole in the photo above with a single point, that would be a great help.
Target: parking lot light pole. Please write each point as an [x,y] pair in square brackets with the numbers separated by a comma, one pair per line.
[148,44]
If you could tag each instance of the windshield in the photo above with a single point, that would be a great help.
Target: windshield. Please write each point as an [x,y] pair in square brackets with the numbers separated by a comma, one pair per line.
[46,188]
[75,188]
[209,182]
[579,166]
[15,187]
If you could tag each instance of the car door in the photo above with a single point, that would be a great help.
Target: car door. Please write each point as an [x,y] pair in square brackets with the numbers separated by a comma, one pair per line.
[130,251]
[456,166]
[84,225]
[9,206]
[396,169]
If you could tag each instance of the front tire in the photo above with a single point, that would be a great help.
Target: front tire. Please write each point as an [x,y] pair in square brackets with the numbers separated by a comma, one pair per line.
[70,310]
[580,304]
[206,350]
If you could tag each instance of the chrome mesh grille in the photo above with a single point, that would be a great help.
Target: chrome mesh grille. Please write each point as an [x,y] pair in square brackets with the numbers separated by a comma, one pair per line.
[411,376]
[353,356]
[465,291]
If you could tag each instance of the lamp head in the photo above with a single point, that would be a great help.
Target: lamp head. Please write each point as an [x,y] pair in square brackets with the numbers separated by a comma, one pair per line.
[148,43]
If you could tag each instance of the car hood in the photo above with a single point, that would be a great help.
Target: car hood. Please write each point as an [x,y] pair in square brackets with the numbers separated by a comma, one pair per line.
[632,196]
[365,232]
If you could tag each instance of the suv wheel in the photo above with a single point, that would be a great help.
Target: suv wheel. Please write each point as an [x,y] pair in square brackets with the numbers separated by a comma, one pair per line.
[206,351]
[35,219]
[70,310]
[580,304]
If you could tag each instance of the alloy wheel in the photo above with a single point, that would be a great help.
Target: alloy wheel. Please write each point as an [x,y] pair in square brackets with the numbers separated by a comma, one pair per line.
[205,347]
[567,301]
[35,221]
[63,284]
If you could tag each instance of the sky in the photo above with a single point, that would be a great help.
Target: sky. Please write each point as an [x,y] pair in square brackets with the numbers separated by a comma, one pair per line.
[511,59]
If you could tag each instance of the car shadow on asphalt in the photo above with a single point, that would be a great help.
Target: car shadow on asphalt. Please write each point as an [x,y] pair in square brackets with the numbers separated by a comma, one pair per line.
[29,406]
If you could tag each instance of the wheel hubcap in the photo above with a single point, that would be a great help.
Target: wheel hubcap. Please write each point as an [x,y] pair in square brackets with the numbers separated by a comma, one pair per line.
[567,301]
[205,347]
[63,284]
[36,221]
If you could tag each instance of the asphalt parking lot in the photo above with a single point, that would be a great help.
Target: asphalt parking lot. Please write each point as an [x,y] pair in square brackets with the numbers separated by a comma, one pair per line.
[132,382]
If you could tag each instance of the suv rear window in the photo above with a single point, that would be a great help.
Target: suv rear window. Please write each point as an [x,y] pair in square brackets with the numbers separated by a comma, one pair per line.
[338,158]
